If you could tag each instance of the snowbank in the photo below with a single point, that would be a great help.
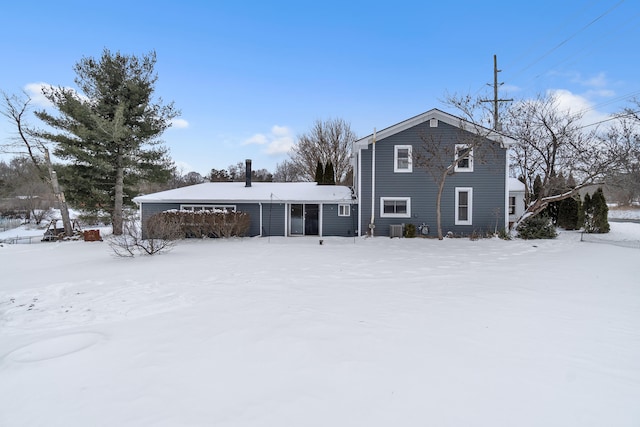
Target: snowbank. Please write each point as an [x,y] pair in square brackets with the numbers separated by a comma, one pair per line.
[287,332]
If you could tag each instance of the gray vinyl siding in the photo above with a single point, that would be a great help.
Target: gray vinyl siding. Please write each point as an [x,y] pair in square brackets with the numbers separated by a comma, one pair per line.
[147,210]
[487,180]
[253,209]
[273,219]
[150,209]
[334,225]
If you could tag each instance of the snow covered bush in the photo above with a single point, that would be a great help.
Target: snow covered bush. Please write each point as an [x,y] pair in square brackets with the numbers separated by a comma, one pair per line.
[216,223]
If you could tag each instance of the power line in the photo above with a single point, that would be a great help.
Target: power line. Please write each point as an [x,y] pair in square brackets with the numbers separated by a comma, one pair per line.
[572,36]
[615,117]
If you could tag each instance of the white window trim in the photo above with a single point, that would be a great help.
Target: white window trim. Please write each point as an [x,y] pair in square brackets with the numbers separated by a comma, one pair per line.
[344,209]
[457,167]
[469,220]
[387,215]
[211,207]
[395,158]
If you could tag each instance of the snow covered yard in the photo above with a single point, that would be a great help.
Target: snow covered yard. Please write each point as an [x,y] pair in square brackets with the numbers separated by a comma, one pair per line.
[287,332]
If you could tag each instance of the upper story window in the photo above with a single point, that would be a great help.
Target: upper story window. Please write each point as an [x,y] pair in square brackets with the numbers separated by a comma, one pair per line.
[464,158]
[402,159]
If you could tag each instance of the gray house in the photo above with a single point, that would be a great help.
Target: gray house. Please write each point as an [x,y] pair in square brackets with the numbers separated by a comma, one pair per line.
[275,209]
[393,188]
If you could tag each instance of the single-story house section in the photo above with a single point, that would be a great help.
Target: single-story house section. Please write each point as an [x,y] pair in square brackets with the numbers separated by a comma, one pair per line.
[275,209]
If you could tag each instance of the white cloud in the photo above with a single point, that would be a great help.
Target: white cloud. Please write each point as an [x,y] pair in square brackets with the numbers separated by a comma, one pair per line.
[258,138]
[578,104]
[182,167]
[282,141]
[34,90]
[179,124]
[280,131]
[278,141]
[598,81]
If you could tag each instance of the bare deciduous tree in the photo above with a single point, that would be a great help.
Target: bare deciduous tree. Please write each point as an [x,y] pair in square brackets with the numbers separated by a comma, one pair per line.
[624,135]
[623,180]
[286,172]
[16,109]
[550,142]
[327,141]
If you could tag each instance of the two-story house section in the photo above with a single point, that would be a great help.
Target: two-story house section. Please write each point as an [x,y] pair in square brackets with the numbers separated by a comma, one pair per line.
[393,186]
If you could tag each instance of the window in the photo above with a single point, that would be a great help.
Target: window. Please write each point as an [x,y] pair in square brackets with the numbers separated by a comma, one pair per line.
[402,159]
[344,210]
[464,206]
[195,208]
[464,158]
[512,205]
[395,207]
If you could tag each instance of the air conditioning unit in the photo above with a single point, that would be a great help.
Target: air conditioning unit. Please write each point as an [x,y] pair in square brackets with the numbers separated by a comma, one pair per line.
[395,230]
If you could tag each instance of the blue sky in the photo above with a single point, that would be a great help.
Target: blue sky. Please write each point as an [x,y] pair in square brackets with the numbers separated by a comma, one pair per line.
[251,76]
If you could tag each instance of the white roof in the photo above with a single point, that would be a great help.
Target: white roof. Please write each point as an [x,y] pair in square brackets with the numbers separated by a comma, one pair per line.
[258,192]
[516,185]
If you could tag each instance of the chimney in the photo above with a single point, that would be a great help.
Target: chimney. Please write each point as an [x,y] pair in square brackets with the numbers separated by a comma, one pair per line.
[247,171]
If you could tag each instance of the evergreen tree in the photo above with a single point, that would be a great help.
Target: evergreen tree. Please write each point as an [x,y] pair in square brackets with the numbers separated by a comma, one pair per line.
[537,188]
[329,174]
[319,177]
[587,213]
[558,186]
[110,133]
[600,212]
[569,213]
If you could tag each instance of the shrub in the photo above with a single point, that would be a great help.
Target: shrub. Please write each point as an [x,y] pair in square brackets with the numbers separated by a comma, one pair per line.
[132,242]
[206,223]
[504,234]
[409,230]
[537,227]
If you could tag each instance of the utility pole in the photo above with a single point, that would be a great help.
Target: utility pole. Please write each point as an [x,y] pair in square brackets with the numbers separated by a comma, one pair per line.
[496,100]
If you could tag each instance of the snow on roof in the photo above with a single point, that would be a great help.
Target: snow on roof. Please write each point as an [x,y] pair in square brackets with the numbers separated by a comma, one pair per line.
[516,185]
[258,192]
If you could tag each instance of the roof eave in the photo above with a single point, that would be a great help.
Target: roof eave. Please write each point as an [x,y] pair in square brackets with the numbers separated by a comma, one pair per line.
[434,113]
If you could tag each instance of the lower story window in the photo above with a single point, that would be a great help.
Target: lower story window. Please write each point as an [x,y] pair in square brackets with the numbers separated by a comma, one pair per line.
[196,208]
[344,210]
[512,205]
[464,206]
[395,207]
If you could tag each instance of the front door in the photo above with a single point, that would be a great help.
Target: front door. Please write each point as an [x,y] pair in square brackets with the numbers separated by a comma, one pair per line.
[304,220]
[311,220]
